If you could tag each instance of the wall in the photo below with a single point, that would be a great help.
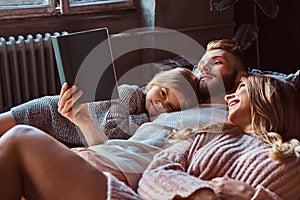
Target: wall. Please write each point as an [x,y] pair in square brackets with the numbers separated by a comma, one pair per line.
[279,41]
[279,38]
[193,18]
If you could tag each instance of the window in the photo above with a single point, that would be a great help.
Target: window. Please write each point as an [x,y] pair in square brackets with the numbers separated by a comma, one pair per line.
[30,8]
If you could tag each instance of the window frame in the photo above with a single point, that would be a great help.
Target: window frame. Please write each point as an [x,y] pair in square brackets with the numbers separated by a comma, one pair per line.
[28,11]
[64,9]
[103,6]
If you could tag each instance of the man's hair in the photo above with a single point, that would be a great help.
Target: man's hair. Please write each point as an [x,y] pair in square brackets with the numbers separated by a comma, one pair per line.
[229,46]
[181,80]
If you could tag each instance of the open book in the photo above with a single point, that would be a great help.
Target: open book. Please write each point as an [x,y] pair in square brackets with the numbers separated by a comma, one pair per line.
[85,59]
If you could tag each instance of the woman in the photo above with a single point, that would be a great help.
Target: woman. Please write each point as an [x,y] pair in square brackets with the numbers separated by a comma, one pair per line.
[259,159]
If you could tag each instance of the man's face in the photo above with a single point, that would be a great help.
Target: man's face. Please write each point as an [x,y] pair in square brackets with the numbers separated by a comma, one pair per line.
[214,67]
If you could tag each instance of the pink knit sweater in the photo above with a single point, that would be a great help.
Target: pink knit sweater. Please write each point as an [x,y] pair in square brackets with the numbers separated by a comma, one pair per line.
[188,166]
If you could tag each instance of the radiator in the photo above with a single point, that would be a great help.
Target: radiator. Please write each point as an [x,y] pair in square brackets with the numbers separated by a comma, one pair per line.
[27,69]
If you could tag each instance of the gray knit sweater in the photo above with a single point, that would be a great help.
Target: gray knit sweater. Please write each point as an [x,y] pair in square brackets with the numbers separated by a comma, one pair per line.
[118,118]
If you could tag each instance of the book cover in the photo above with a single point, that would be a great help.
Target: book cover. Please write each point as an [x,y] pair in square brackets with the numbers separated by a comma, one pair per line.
[85,59]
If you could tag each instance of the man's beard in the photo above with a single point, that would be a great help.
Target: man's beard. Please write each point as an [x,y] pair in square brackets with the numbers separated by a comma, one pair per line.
[217,88]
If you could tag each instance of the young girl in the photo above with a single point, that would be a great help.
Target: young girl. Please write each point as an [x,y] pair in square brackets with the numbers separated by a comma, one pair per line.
[117,118]
[168,91]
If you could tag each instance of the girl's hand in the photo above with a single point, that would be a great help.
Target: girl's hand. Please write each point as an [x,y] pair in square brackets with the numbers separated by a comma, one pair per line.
[79,114]
[230,189]
[76,113]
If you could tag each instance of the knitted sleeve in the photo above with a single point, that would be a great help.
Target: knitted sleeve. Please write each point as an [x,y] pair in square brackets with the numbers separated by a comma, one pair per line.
[166,177]
[42,113]
[120,118]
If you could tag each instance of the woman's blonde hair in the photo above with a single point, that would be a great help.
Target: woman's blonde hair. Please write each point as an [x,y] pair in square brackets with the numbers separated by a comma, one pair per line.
[214,128]
[275,115]
[181,80]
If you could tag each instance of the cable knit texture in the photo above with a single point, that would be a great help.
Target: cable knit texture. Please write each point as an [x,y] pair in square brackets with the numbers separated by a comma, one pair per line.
[118,118]
[188,166]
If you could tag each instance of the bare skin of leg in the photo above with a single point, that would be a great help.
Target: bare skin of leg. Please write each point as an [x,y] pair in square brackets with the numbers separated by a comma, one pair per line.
[6,122]
[36,166]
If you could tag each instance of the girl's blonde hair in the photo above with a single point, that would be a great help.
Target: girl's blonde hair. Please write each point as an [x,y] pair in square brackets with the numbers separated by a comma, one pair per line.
[275,115]
[181,80]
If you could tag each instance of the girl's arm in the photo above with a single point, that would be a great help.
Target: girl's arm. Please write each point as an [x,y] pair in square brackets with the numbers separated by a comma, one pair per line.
[117,118]
[79,115]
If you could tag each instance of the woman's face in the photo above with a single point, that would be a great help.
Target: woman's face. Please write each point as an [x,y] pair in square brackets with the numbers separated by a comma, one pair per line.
[160,100]
[239,108]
